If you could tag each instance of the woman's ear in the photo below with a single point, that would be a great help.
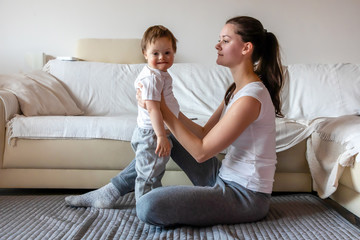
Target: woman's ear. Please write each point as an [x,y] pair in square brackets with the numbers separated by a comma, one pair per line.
[248,47]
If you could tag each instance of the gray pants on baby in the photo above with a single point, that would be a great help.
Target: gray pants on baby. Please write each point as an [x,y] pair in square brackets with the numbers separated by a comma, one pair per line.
[150,168]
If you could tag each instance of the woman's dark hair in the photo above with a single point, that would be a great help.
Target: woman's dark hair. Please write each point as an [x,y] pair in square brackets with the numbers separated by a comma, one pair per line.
[265,56]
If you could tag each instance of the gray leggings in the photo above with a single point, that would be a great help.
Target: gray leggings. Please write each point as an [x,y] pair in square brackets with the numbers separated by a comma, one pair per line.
[210,201]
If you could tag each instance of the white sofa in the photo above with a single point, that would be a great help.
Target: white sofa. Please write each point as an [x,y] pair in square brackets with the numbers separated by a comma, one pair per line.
[79,136]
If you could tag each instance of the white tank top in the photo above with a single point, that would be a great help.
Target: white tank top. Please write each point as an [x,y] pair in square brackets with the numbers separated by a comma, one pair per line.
[250,160]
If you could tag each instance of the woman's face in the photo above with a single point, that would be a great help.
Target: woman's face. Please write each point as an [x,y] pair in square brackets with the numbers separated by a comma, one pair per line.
[230,47]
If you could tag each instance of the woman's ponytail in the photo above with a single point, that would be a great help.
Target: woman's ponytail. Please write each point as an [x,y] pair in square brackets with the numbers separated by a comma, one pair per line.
[269,69]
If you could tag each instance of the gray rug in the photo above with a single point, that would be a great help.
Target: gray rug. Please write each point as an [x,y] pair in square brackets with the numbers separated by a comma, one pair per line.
[297,216]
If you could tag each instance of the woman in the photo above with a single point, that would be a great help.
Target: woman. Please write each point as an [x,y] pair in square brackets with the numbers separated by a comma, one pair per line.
[238,189]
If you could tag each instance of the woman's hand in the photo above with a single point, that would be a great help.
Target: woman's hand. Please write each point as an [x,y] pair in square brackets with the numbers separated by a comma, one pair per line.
[139,99]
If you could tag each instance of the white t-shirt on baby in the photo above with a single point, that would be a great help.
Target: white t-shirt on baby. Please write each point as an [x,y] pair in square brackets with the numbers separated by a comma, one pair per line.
[154,82]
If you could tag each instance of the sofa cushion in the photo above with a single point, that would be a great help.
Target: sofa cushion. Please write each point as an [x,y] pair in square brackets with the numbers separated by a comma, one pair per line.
[39,93]
[72,127]
[110,50]
[321,90]
[75,127]
[199,88]
[106,89]
[100,89]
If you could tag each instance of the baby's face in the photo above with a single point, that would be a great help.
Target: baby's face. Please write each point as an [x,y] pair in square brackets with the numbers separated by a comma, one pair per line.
[160,54]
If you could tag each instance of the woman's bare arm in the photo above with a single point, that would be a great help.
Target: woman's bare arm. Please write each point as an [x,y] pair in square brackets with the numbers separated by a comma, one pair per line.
[163,146]
[222,132]
[201,131]
[198,130]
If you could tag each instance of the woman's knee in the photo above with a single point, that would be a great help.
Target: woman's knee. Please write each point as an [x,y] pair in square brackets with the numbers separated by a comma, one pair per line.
[150,210]
[143,210]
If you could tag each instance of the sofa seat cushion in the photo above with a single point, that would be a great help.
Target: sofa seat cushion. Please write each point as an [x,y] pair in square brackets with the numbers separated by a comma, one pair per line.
[94,154]
[289,132]
[70,154]
[76,127]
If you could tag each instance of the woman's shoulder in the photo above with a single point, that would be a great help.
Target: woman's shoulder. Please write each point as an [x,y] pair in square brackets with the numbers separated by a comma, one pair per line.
[254,86]
[256,90]
[253,89]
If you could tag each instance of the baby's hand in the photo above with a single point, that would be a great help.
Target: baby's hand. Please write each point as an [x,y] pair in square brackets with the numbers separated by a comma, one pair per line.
[163,147]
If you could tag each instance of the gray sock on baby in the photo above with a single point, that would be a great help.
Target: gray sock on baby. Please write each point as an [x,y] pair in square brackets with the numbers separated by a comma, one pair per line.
[104,197]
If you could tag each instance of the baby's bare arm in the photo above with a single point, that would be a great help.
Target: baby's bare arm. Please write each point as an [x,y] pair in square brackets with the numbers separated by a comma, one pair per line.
[163,144]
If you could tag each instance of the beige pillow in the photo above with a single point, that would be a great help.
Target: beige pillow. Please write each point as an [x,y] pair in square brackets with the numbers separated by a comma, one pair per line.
[39,93]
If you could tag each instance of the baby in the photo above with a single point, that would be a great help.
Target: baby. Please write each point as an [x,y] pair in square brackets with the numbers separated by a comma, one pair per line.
[150,139]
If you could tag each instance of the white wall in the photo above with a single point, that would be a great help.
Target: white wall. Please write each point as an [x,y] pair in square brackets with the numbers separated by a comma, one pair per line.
[309,31]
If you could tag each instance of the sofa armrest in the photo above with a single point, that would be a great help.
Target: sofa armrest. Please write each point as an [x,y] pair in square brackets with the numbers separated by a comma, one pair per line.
[9,106]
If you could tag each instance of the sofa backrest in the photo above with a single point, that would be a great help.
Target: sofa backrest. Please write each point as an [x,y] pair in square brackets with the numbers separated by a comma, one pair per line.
[200,88]
[110,50]
[310,90]
[107,89]
[321,90]
[99,89]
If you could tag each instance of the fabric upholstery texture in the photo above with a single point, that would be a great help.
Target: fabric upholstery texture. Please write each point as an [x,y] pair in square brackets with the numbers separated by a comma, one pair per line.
[40,94]
[321,90]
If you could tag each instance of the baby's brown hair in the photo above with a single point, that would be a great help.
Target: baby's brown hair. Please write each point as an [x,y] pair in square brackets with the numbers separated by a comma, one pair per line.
[155,32]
